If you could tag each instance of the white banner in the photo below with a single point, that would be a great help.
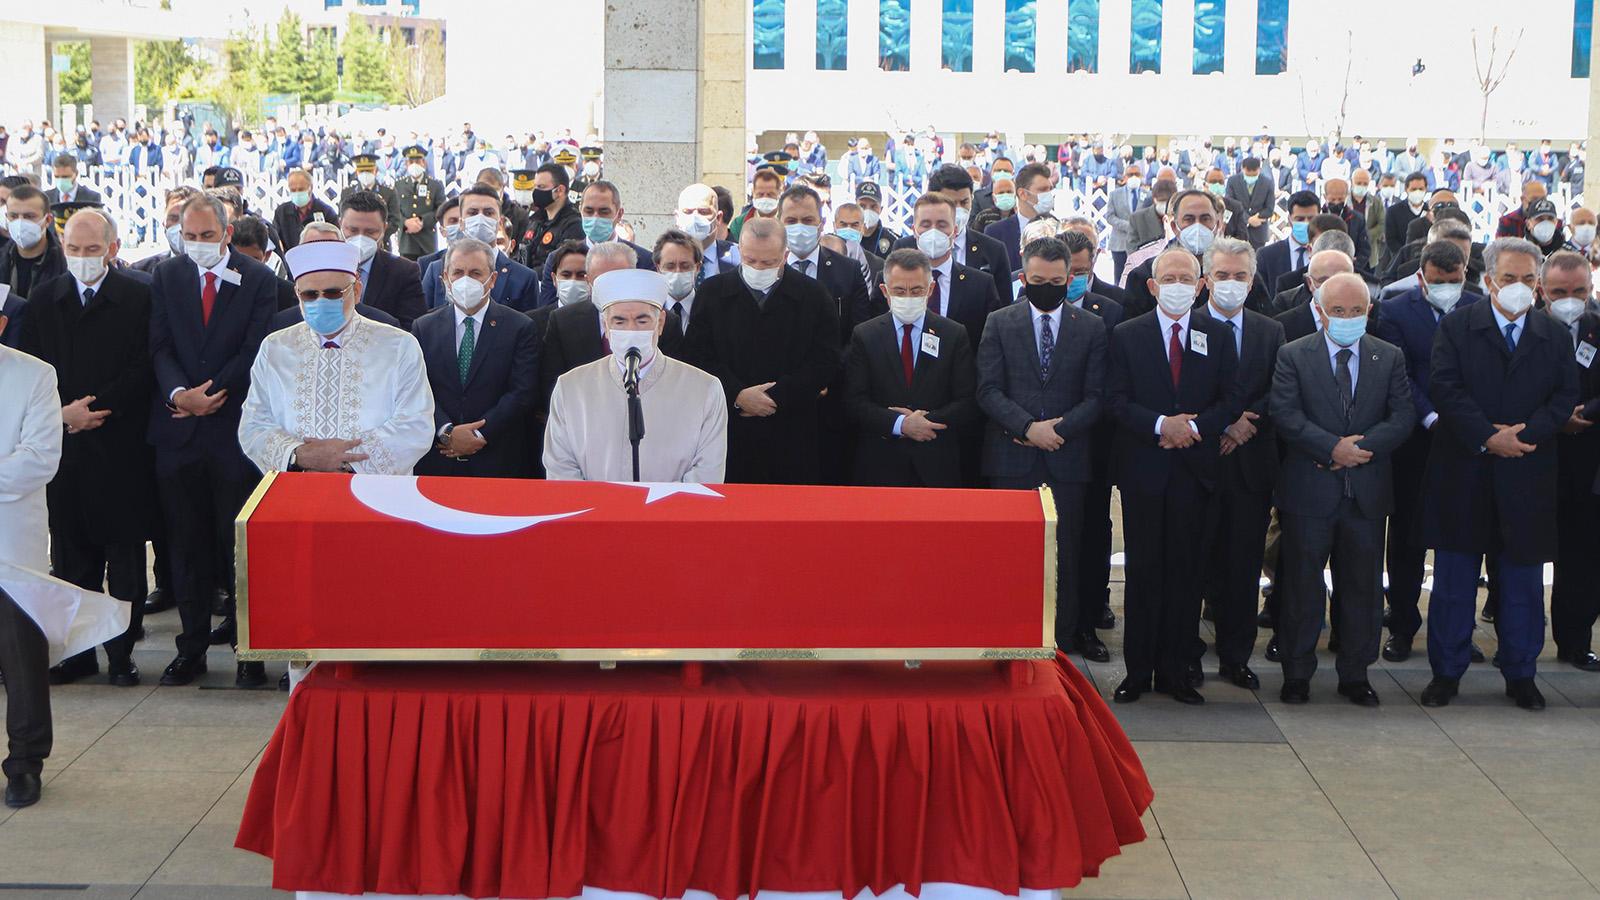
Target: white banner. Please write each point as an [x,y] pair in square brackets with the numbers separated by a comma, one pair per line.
[73,620]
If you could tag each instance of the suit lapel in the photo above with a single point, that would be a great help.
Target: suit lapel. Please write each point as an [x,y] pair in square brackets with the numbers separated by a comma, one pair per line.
[1322,365]
[1367,386]
[442,344]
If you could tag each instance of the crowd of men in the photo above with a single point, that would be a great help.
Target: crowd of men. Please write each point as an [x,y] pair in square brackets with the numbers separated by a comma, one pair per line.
[1260,407]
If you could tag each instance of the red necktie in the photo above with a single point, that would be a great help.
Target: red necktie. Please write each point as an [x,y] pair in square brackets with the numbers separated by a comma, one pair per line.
[905,353]
[933,296]
[208,298]
[1175,355]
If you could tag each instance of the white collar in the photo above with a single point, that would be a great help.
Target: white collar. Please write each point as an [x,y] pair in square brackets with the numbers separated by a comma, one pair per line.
[218,269]
[1502,321]
[813,258]
[1053,315]
[946,267]
[87,287]
[476,317]
[1167,321]
[1237,318]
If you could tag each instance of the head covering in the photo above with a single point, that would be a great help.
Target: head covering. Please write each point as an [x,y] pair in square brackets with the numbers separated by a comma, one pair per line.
[590,153]
[415,151]
[778,161]
[624,285]
[869,189]
[365,162]
[63,210]
[564,156]
[1541,208]
[322,256]
[522,179]
[227,176]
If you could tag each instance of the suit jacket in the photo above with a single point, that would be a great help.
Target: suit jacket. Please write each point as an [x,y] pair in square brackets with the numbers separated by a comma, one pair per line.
[1310,419]
[1120,209]
[1108,290]
[1473,501]
[1257,201]
[571,337]
[395,286]
[53,263]
[547,280]
[1137,299]
[1237,226]
[1008,232]
[1140,391]
[841,277]
[1109,311]
[286,219]
[983,253]
[83,194]
[943,383]
[187,352]
[500,389]
[1253,467]
[969,298]
[1013,394]
[1410,323]
[1397,218]
[15,309]
[285,318]
[1145,226]
[149,263]
[287,300]
[517,285]
[1276,259]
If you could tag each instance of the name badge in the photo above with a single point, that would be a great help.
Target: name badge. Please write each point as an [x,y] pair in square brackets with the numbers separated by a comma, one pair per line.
[422,191]
[930,345]
[1197,341]
[317,216]
[231,277]
[1586,353]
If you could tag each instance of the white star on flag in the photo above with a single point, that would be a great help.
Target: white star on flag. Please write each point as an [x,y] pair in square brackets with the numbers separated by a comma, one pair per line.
[660,490]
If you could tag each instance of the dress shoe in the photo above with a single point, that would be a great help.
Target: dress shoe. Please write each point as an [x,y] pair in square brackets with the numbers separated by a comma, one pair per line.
[1388,616]
[1488,615]
[1091,648]
[1397,648]
[250,675]
[1295,691]
[1195,675]
[1333,642]
[1587,660]
[1526,693]
[1440,691]
[1359,692]
[1264,620]
[1495,659]
[158,601]
[1130,689]
[1272,650]
[283,683]
[1207,613]
[22,790]
[1183,693]
[1107,619]
[69,670]
[225,634]
[182,670]
[1239,676]
[1476,654]
[219,603]
[123,674]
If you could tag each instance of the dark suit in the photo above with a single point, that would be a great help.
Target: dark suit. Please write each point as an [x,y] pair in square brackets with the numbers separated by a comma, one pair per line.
[1298,321]
[547,281]
[1008,232]
[394,285]
[983,253]
[1146,226]
[1474,503]
[1257,201]
[1280,258]
[1575,594]
[286,219]
[1015,390]
[516,286]
[500,389]
[1335,513]
[1236,226]
[1094,553]
[943,384]
[791,339]
[1167,494]
[202,475]
[102,497]
[968,297]
[1397,217]
[1108,290]
[841,277]
[15,309]
[80,194]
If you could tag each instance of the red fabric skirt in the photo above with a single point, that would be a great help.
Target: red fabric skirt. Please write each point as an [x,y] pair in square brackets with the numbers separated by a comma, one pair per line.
[533,780]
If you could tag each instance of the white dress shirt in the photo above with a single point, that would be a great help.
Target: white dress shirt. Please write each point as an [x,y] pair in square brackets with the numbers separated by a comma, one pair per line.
[1166,348]
[813,261]
[1238,325]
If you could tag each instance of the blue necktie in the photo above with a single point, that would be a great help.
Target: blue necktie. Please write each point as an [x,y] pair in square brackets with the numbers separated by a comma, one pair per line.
[1047,347]
[1511,336]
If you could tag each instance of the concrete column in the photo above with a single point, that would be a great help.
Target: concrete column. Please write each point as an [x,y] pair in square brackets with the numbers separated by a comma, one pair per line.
[674,102]
[1591,183]
[111,68]
[25,72]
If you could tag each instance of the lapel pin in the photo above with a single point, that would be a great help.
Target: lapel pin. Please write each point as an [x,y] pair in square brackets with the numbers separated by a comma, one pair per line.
[961,277]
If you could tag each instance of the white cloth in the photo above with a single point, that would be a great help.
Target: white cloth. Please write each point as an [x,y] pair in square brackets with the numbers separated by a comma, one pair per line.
[685,425]
[374,388]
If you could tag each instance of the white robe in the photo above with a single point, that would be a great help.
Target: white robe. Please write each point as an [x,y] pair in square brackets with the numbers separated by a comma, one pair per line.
[685,425]
[374,388]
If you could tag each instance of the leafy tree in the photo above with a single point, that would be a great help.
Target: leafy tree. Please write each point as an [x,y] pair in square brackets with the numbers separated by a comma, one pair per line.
[324,69]
[160,68]
[366,61]
[418,69]
[288,69]
[74,84]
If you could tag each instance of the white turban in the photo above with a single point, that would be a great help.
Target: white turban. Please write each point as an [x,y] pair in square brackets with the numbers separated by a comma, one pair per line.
[322,256]
[630,285]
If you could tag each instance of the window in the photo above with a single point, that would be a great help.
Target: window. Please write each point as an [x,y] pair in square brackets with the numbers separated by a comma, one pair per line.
[1272,36]
[894,35]
[955,36]
[332,4]
[1209,27]
[1083,36]
[833,35]
[1144,45]
[1019,36]
[1582,35]
[766,33]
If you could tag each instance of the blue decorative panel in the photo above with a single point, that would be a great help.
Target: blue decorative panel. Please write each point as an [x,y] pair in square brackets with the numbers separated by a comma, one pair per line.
[1582,35]
[1272,37]
[1083,35]
[1020,27]
[766,33]
[1144,45]
[955,36]
[833,34]
[894,35]
[1210,25]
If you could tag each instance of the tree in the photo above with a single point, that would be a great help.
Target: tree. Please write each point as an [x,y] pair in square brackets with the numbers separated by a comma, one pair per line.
[418,69]
[73,86]
[324,69]
[1488,81]
[287,62]
[366,61]
[239,85]
[159,68]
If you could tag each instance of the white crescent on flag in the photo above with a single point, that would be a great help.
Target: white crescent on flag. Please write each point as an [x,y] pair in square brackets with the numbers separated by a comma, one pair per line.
[399,497]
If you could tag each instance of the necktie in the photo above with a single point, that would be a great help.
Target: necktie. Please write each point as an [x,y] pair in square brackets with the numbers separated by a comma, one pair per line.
[803,266]
[683,322]
[933,295]
[1299,257]
[208,298]
[1175,354]
[88,296]
[1047,347]
[1511,336]
[1341,373]
[464,355]
[906,355]
[1238,343]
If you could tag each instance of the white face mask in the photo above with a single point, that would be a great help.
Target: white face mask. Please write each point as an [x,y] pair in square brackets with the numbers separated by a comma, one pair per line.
[698,226]
[466,293]
[1196,238]
[802,238]
[205,256]
[367,179]
[1515,299]
[1044,203]
[760,280]
[1583,235]
[416,170]
[679,284]
[1543,231]
[963,216]
[766,206]
[364,245]
[1566,310]
[24,232]
[1176,298]
[175,239]
[1415,198]
[934,243]
[907,310]
[481,227]
[87,269]
[571,291]
[1230,295]
[869,219]
[623,340]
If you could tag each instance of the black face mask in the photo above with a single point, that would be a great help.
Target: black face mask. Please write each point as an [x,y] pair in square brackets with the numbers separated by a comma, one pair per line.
[1335,208]
[1045,297]
[543,196]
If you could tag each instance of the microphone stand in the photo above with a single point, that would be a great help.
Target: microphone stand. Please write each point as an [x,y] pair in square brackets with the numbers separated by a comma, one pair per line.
[630,382]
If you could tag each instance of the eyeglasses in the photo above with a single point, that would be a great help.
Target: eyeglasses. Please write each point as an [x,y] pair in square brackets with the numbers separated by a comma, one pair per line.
[325,293]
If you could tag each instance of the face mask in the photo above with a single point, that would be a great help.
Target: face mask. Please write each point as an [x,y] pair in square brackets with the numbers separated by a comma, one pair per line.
[1176,298]
[907,310]
[366,246]
[24,232]
[1583,235]
[1301,232]
[1444,297]
[802,238]
[87,269]
[1345,332]
[1250,180]
[934,244]
[760,280]
[591,168]
[679,284]
[698,226]
[571,291]
[848,235]
[175,239]
[1230,295]
[1216,187]
[1045,203]
[624,340]
[525,197]
[64,185]
[300,198]
[1077,287]
[324,316]
[466,293]
[1003,175]
[1389,194]
[543,196]
[1005,202]
[963,216]
[1415,198]
[415,170]
[1335,208]
[1045,297]
[598,230]
[367,179]
[452,232]
[481,227]
[1543,231]
[870,218]
[1566,310]
[1358,190]
[1515,299]
[205,256]
[1196,238]
[765,206]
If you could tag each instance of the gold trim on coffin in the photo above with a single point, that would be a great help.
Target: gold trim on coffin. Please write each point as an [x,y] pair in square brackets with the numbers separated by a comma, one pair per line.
[594,654]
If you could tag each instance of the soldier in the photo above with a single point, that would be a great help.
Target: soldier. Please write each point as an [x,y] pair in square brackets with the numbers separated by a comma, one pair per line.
[588,172]
[417,196]
[367,180]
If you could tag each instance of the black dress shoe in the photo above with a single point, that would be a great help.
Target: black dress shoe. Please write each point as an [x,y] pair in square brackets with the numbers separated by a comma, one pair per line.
[22,790]
[182,670]
[1093,649]
[1476,654]
[1130,689]
[1272,650]
[225,634]
[1526,693]
[123,674]
[1107,619]
[1397,649]
[1388,616]
[1295,691]
[1488,615]
[1182,693]
[1586,661]
[250,675]
[158,601]
[73,668]
[1440,691]
[1359,692]
[1495,659]
[219,603]
[1333,642]
[1195,675]
[1207,613]
[1264,620]
[1239,676]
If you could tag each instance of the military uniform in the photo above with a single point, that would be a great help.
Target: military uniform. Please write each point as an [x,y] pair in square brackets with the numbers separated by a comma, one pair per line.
[584,179]
[368,162]
[878,240]
[419,197]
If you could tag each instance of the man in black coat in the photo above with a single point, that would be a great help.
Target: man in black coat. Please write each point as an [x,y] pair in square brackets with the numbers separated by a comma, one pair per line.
[1174,391]
[1041,378]
[293,215]
[909,386]
[93,326]
[771,336]
[1504,384]
[209,310]
[481,402]
[23,265]
[388,282]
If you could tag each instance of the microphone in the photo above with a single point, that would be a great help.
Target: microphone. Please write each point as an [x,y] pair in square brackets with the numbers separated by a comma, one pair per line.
[630,378]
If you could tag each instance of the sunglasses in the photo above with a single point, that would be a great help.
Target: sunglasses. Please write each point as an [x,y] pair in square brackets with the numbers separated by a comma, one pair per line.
[325,293]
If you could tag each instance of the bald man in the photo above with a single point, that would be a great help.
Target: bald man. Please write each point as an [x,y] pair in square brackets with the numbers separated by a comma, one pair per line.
[1297,317]
[698,216]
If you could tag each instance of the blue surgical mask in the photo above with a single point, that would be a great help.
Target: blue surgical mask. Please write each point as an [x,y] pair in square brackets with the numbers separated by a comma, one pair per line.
[1301,232]
[598,230]
[324,316]
[849,235]
[1077,287]
[299,198]
[1005,202]
[1250,180]
[802,238]
[1345,332]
